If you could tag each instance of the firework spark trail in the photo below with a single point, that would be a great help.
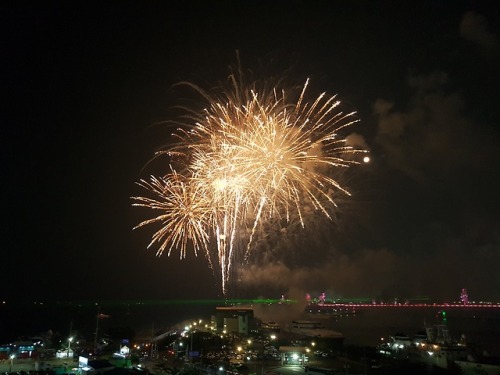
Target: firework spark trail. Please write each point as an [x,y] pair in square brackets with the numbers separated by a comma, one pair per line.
[248,158]
[176,199]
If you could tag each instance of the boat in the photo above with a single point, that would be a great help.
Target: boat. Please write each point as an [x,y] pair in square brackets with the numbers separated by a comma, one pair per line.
[434,346]
[307,332]
[312,329]
[328,309]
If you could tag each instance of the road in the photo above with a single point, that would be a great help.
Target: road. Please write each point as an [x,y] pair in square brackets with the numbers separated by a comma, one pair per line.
[31,364]
[254,367]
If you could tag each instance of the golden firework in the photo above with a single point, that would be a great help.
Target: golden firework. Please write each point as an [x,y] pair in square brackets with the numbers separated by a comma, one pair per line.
[249,157]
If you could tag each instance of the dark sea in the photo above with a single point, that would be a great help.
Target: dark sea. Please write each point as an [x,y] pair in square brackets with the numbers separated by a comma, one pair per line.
[479,326]
[366,326]
[143,317]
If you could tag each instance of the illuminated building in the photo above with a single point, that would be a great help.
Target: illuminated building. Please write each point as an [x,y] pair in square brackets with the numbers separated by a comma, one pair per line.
[236,320]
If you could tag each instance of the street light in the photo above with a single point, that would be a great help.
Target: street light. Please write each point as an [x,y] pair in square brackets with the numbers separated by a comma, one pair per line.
[12,356]
[69,344]
[180,345]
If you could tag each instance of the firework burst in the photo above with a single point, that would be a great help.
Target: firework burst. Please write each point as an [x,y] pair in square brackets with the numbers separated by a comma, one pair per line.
[250,157]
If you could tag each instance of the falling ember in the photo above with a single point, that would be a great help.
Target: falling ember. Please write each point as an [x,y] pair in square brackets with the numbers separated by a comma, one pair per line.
[250,157]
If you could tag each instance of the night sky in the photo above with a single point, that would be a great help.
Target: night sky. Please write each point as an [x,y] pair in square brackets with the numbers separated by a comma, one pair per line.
[86,84]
